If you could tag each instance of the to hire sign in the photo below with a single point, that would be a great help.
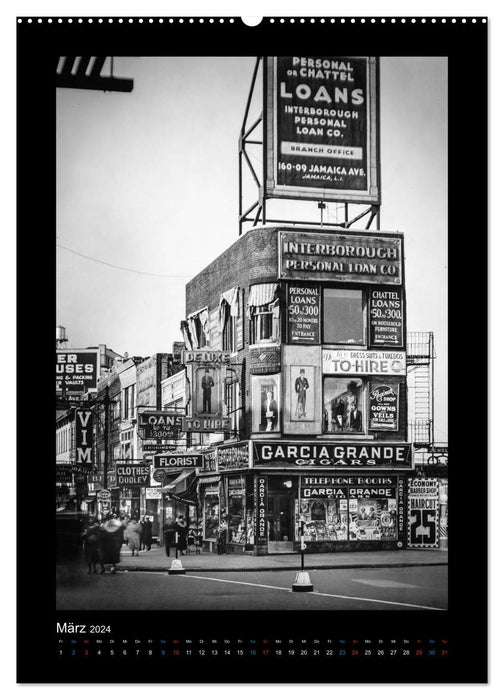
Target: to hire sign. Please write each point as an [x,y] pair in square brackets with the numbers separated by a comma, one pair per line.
[83,436]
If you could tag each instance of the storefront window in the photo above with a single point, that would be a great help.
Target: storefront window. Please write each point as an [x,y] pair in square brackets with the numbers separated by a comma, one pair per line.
[325,520]
[343,316]
[211,516]
[373,519]
[343,405]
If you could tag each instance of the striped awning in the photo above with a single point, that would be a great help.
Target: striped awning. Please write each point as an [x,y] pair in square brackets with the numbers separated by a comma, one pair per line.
[209,479]
[262,294]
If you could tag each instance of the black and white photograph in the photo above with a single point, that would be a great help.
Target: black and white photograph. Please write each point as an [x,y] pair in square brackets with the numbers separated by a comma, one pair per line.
[252,322]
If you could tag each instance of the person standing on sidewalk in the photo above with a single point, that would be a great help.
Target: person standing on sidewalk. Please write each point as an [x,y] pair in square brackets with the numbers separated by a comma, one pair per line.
[222,540]
[169,535]
[181,535]
[147,533]
[112,540]
[142,543]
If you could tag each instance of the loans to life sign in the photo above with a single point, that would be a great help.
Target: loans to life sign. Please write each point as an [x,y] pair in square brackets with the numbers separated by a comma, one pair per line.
[76,372]
[423,513]
[159,425]
[386,317]
[353,456]
[356,257]
[303,306]
[363,362]
[384,406]
[321,128]
[83,436]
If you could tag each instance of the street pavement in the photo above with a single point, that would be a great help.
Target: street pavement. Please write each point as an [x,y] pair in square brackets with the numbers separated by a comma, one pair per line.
[399,588]
[156,560]
[385,580]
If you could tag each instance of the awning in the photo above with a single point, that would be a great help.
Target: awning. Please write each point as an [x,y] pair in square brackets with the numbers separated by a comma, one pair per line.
[178,481]
[188,495]
[210,479]
[262,294]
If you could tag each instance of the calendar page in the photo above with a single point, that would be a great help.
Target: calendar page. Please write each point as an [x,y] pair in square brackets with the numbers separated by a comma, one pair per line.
[259,242]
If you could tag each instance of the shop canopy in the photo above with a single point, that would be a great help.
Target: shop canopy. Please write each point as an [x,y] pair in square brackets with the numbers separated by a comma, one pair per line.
[262,294]
[178,484]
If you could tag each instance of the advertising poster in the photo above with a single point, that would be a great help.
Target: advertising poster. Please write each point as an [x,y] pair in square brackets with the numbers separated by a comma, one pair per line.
[76,371]
[83,437]
[386,318]
[265,403]
[323,114]
[423,513]
[384,406]
[155,179]
[304,314]
[302,378]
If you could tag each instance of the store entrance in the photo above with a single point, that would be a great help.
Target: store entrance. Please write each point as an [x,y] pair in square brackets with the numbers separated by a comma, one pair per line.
[280,522]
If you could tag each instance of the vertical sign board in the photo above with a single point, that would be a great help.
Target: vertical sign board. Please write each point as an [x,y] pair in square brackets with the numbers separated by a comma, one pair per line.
[321,128]
[83,436]
[261,505]
[303,307]
[386,317]
[384,406]
[423,513]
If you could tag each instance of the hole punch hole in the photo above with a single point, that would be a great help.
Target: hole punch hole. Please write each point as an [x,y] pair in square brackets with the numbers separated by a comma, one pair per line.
[251,21]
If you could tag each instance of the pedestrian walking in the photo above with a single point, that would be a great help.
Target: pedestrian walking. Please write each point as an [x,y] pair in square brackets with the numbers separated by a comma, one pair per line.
[147,533]
[91,538]
[169,535]
[111,541]
[133,532]
[181,535]
[142,543]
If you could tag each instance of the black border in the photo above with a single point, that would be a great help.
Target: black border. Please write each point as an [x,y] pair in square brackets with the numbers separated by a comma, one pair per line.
[465,624]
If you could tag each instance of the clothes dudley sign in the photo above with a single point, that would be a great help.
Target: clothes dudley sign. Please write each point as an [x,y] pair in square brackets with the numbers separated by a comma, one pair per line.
[133,475]
[348,456]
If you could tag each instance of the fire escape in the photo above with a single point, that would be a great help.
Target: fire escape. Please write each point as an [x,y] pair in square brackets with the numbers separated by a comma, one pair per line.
[420,355]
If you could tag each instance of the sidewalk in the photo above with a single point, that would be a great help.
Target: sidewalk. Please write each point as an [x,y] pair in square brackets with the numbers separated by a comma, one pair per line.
[156,560]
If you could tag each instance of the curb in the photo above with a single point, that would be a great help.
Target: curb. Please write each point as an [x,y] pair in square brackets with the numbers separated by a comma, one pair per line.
[321,567]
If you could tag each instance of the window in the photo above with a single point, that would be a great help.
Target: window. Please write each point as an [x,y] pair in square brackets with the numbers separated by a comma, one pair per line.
[343,405]
[264,314]
[197,325]
[344,316]
[233,404]
[230,320]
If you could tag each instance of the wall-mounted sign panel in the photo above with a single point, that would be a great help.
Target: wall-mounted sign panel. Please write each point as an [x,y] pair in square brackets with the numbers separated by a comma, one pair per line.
[76,371]
[386,317]
[384,406]
[159,425]
[303,308]
[334,257]
[321,128]
[423,513]
[362,362]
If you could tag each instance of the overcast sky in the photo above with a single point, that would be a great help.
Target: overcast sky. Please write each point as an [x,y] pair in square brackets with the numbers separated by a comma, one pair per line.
[149,181]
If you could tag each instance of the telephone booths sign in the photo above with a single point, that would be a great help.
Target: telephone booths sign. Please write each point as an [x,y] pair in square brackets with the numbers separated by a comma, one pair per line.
[423,513]
[321,128]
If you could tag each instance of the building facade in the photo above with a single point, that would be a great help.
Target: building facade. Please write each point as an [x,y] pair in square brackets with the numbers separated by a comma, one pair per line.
[312,326]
